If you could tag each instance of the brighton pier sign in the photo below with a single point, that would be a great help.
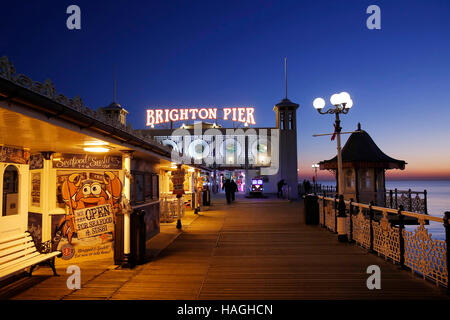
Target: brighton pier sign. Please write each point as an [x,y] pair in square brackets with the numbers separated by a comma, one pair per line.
[237,114]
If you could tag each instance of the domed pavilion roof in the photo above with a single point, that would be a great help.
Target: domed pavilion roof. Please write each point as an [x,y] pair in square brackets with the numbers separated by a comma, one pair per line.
[360,151]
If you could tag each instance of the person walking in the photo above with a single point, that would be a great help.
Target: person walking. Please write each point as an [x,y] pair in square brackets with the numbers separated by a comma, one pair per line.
[280,185]
[234,189]
[228,187]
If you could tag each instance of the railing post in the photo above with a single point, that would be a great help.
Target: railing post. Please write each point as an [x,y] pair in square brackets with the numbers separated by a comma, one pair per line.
[340,226]
[396,200]
[425,201]
[370,225]
[351,220]
[323,212]
[401,227]
[410,200]
[390,198]
[335,212]
[447,241]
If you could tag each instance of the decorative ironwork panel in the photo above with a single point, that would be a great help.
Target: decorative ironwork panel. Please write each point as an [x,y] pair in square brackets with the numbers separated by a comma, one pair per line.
[425,255]
[389,200]
[403,200]
[347,224]
[330,221]
[321,212]
[414,201]
[386,239]
[418,204]
[361,229]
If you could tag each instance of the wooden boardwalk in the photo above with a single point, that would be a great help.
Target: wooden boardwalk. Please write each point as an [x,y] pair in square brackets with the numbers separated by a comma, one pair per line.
[247,250]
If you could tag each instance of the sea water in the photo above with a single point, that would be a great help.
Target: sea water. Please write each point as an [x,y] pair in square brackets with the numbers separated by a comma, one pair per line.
[438,200]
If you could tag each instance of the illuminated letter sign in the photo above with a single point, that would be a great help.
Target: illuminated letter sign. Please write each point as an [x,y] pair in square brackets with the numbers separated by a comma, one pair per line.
[239,114]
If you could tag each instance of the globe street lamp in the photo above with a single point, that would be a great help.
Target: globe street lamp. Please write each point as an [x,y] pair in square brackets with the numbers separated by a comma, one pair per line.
[341,104]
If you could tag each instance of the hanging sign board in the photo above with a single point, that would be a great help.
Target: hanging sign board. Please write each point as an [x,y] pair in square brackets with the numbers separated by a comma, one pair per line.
[14,155]
[87,161]
[94,221]
[36,161]
[178,181]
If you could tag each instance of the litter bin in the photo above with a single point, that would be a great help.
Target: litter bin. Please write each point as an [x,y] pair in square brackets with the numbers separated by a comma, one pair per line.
[137,236]
[118,240]
[311,209]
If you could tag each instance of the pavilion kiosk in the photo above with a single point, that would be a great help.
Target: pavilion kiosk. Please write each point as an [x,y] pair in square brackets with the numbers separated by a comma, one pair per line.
[72,176]
[364,166]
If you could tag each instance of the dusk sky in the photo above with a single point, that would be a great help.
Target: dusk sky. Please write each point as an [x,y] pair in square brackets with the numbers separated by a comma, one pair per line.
[231,53]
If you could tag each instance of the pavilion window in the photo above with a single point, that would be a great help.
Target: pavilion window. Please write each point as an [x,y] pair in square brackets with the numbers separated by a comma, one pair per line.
[144,187]
[349,179]
[282,121]
[148,186]
[366,180]
[10,191]
[137,187]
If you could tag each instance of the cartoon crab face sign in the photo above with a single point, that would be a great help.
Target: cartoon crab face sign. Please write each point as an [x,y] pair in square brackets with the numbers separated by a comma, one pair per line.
[78,194]
[91,194]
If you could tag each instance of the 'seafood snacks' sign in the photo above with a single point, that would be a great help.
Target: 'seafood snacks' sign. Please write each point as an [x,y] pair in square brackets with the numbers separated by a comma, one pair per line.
[94,221]
[178,181]
[238,114]
[87,161]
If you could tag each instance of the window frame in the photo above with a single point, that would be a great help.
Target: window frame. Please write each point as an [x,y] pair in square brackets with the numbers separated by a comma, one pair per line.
[19,191]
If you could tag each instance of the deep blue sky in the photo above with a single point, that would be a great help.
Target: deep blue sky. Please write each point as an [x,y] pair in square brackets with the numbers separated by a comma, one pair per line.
[197,53]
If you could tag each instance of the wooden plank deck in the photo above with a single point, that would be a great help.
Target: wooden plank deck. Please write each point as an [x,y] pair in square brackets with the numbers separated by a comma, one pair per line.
[249,250]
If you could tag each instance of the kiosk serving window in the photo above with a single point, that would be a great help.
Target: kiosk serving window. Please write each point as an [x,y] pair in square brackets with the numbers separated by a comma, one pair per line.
[144,187]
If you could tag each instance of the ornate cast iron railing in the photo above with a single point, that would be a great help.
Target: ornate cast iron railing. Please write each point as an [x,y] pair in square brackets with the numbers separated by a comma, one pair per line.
[318,189]
[381,230]
[414,201]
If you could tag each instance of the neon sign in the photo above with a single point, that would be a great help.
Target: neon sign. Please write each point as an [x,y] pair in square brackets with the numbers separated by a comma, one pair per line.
[238,114]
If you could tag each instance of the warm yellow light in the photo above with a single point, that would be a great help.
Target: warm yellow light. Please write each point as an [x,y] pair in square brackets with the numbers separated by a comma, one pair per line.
[191,170]
[95,143]
[96,149]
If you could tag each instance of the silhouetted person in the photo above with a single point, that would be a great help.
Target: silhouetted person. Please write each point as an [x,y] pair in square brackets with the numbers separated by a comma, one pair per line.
[280,185]
[228,187]
[234,188]
[306,186]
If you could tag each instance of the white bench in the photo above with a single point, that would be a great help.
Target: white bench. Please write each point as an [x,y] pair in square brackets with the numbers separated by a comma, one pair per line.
[19,252]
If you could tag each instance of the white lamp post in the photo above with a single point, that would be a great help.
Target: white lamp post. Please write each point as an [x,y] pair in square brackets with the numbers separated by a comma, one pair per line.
[315,166]
[341,104]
